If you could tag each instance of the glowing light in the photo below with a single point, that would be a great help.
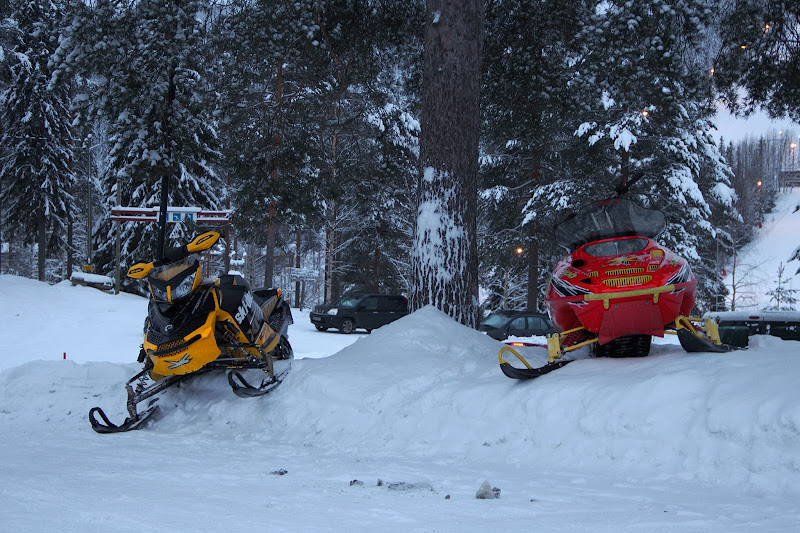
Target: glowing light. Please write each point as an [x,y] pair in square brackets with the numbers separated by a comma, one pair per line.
[520,250]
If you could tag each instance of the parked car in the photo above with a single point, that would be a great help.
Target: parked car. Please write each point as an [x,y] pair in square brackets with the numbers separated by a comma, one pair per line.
[736,327]
[365,311]
[504,324]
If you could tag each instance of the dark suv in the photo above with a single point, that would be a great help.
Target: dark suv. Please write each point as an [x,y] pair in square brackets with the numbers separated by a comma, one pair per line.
[504,324]
[366,311]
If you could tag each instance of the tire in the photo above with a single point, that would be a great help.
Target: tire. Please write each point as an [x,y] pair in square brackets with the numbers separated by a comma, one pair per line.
[321,328]
[347,326]
[632,346]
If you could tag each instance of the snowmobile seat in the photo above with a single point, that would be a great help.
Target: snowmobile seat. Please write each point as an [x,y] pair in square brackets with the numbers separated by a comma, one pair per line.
[265,293]
[233,280]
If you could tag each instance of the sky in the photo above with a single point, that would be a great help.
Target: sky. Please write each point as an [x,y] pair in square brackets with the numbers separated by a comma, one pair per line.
[734,129]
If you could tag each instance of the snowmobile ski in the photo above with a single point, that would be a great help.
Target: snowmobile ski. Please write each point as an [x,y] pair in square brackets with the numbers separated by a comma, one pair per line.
[705,339]
[135,419]
[130,423]
[692,343]
[243,389]
[528,372]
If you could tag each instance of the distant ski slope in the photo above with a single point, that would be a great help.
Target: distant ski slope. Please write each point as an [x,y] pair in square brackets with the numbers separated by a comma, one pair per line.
[758,262]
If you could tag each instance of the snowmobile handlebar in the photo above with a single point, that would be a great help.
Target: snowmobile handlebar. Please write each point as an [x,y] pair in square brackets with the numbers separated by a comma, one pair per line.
[200,243]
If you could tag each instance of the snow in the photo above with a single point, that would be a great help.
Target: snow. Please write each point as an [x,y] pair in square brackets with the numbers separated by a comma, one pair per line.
[92,278]
[758,262]
[393,431]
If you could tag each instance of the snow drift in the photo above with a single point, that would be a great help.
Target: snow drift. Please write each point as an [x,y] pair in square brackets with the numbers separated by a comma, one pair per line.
[426,386]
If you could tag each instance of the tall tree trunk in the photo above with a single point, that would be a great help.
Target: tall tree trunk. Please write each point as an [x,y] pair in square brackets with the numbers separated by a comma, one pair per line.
[297,300]
[330,250]
[42,252]
[269,252]
[376,260]
[69,247]
[444,255]
[533,273]
[269,262]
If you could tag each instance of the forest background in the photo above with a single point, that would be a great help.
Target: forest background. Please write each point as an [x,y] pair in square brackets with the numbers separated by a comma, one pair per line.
[302,119]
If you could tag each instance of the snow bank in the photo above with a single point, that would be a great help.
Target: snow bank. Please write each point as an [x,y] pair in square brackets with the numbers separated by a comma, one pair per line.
[425,386]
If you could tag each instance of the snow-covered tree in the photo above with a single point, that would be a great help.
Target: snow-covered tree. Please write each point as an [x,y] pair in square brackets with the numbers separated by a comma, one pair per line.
[785,298]
[526,140]
[444,260]
[758,64]
[36,171]
[645,74]
[265,50]
[145,66]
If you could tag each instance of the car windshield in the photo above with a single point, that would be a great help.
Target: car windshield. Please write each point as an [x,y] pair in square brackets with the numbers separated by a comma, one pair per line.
[609,219]
[348,301]
[496,320]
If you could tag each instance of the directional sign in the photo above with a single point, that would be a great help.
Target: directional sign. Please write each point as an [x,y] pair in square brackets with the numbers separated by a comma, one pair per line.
[174,214]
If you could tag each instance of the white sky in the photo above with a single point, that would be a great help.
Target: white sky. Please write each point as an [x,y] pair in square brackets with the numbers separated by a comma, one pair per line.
[734,129]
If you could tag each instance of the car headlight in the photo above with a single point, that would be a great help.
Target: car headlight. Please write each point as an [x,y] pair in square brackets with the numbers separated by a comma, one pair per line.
[184,287]
[333,311]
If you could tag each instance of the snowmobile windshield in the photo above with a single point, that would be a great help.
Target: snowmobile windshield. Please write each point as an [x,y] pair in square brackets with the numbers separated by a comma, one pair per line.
[608,219]
[172,282]
[616,247]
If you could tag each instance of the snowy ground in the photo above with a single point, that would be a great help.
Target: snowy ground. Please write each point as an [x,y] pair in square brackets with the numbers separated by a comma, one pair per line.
[671,442]
[757,263]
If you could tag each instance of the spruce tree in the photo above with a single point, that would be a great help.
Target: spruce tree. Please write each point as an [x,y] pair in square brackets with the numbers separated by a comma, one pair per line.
[644,68]
[145,65]
[36,172]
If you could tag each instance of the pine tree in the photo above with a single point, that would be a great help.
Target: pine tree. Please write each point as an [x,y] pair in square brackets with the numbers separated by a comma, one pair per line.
[36,172]
[444,256]
[265,50]
[784,297]
[760,52]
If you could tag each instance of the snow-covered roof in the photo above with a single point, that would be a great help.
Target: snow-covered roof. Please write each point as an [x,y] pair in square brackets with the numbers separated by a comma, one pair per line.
[763,316]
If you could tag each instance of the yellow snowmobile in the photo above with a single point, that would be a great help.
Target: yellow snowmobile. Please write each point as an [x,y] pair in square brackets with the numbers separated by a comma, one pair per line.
[194,326]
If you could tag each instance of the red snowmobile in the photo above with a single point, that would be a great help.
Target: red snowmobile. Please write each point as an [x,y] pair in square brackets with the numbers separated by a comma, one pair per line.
[618,288]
